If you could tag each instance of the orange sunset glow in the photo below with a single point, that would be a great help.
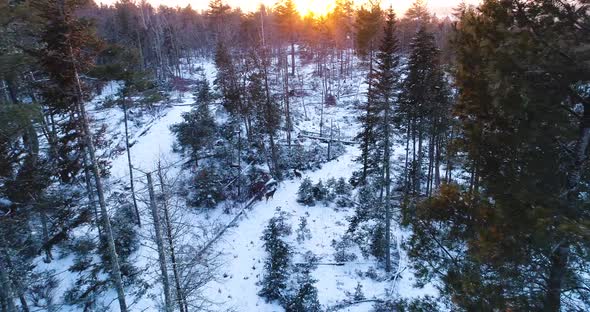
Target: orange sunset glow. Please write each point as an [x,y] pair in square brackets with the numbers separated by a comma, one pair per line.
[305,7]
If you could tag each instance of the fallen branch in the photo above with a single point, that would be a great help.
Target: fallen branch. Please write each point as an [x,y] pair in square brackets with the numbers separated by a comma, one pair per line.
[347,304]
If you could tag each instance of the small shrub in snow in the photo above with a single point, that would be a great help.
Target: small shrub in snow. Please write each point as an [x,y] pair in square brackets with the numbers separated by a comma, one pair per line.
[358,292]
[372,274]
[378,242]
[311,260]
[341,247]
[207,188]
[331,187]
[320,192]
[305,194]
[42,291]
[305,298]
[343,202]
[303,232]
[341,187]
[426,303]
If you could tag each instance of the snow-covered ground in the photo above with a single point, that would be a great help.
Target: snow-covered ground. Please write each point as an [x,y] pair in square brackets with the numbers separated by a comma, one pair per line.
[241,250]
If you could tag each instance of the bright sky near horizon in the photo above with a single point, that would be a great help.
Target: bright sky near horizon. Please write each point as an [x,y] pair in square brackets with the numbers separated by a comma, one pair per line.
[305,6]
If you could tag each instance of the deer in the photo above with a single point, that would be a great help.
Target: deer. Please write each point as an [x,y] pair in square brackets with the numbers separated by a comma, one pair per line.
[270,194]
[297,173]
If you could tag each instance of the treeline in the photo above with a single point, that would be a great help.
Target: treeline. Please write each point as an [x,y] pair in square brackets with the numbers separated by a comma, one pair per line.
[491,113]
[57,55]
[492,172]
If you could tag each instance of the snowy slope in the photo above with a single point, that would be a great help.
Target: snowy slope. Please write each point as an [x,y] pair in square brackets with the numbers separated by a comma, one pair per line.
[242,253]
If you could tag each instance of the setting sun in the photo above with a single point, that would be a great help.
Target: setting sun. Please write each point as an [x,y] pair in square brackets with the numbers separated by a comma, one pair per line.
[315,7]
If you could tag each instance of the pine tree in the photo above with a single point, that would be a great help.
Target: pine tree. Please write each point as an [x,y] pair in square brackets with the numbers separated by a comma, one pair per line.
[67,54]
[217,14]
[303,232]
[197,131]
[306,296]
[386,79]
[277,265]
[368,24]
[358,292]
[287,19]
[515,223]
[424,112]
[305,194]
[267,117]
[226,80]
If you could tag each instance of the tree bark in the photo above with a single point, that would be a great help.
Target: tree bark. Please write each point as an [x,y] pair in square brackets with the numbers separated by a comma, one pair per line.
[181,301]
[6,290]
[160,244]
[87,135]
[90,193]
[128,148]
[386,165]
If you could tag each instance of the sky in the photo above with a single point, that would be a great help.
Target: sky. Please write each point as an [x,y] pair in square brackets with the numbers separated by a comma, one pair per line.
[441,7]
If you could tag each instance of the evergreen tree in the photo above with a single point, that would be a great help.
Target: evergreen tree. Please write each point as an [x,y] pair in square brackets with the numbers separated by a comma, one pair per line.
[227,80]
[386,78]
[358,292]
[68,49]
[306,296]
[305,194]
[516,222]
[60,92]
[367,26]
[277,265]
[267,116]
[424,113]
[320,192]
[207,188]
[287,19]
[197,131]
[303,232]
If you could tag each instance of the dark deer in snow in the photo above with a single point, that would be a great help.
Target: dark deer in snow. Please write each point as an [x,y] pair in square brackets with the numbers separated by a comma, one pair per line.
[270,194]
[297,173]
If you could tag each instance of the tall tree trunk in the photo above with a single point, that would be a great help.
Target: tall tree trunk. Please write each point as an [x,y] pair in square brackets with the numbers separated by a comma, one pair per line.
[180,298]
[273,150]
[128,148]
[17,283]
[560,255]
[559,262]
[437,156]
[6,291]
[90,192]
[368,133]
[87,135]
[45,230]
[386,165]
[160,244]
[292,58]
[287,108]
[420,158]
[406,168]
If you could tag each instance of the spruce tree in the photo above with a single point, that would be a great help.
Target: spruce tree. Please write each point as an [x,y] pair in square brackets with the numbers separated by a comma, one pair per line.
[305,194]
[67,54]
[386,79]
[424,112]
[305,298]
[197,131]
[277,265]
[287,18]
[516,221]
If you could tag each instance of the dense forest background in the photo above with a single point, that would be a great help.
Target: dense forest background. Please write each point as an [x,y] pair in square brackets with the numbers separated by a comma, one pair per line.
[470,140]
